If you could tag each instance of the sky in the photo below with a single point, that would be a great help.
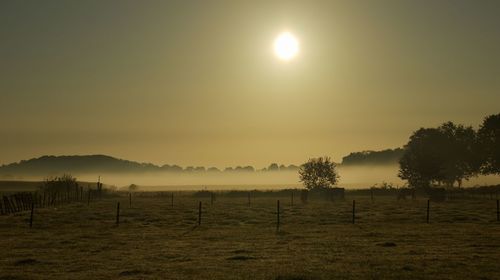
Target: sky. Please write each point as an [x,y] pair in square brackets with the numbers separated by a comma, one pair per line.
[197,82]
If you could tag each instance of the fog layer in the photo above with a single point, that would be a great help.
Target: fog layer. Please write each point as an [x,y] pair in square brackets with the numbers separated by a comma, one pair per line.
[351,177]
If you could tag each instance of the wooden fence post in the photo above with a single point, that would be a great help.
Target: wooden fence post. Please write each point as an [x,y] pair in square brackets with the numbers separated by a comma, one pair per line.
[88,197]
[292,198]
[353,211]
[118,213]
[278,216]
[130,200]
[15,203]
[8,202]
[31,216]
[199,213]
[498,210]
[172,200]
[248,198]
[19,203]
[428,209]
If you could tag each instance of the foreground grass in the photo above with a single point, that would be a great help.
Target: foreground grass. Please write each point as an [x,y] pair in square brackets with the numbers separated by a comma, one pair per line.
[236,241]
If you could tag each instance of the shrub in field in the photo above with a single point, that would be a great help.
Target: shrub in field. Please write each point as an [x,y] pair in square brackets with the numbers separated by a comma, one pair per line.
[319,173]
[60,188]
[59,184]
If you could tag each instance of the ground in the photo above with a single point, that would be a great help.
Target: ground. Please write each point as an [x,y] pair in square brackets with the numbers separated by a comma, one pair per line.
[154,240]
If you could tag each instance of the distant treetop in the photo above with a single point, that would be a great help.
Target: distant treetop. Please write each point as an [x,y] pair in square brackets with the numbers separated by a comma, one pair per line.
[384,157]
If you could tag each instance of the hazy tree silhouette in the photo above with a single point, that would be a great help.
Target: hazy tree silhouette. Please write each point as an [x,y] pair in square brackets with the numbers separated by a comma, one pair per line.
[440,155]
[273,167]
[213,169]
[319,173]
[421,163]
[489,143]
[388,156]
[199,169]
[292,167]
[461,156]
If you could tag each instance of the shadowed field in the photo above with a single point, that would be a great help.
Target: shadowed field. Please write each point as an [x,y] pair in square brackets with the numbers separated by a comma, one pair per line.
[154,240]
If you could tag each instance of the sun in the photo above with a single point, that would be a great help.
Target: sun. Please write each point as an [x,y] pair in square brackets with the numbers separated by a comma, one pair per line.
[286,46]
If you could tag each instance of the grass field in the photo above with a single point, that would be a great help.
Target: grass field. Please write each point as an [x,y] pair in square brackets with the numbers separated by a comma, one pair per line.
[154,240]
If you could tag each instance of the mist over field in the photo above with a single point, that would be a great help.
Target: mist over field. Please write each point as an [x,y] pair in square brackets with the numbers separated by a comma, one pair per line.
[357,170]
[351,177]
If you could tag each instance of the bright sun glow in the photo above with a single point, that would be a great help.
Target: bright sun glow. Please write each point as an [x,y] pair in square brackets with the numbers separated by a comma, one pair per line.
[286,46]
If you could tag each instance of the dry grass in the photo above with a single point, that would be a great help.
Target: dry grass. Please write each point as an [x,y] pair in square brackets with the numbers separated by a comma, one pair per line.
[235,241]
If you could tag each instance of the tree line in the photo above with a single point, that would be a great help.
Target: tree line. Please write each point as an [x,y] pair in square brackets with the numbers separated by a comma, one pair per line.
[98,164]
[451,153]
[384,157]
[443,156]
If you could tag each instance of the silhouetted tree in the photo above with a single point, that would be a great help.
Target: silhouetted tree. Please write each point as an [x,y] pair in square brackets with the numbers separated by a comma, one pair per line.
[439,155]
[292,167]
[171,168]
[248,168]
[199,169]
[461,157]
[273,167]
[238,168]
[388,156]
[421,162]
[319,173]
[213,169]
[489,143]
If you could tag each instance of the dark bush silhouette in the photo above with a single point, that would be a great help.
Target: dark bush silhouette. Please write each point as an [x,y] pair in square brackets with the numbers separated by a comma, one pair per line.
[319,173]
[388,156]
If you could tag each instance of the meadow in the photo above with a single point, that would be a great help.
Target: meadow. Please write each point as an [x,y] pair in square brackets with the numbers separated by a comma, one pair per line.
[237,240]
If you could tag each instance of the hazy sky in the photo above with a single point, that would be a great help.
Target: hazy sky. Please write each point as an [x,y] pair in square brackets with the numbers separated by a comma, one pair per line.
[197,82]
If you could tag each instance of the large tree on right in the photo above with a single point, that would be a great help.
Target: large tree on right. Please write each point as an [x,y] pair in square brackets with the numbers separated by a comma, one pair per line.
[489,144]
[444,155]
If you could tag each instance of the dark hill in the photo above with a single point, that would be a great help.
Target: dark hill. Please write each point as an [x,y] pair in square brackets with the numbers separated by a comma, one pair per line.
[56,165]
